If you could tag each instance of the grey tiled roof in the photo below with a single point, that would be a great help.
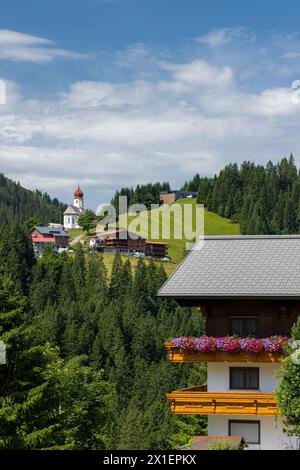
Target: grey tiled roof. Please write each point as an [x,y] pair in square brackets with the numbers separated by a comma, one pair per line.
[57,231]
[72,210]
[239,266]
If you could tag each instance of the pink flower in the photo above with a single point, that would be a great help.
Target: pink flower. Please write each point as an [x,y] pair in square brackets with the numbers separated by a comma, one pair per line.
[230,344]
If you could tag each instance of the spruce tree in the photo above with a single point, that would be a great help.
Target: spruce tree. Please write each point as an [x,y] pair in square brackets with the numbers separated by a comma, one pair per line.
[79,270]
[116,287]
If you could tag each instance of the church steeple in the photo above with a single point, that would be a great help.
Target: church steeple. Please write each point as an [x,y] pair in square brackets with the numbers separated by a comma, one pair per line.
[78,199]
[78,193]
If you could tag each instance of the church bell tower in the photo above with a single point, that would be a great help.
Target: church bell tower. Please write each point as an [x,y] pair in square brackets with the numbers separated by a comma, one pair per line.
[78,199]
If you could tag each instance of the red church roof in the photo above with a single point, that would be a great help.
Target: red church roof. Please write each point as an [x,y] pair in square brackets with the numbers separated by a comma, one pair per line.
[78,193]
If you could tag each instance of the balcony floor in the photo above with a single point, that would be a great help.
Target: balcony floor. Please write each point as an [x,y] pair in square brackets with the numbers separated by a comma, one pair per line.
[196,400]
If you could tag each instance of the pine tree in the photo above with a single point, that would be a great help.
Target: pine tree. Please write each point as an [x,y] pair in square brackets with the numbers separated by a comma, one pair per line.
[96,277]
[116,287]
[79,269]
[16,255]
[140,286]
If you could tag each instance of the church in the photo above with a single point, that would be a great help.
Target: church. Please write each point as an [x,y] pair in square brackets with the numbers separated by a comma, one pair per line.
[74,210]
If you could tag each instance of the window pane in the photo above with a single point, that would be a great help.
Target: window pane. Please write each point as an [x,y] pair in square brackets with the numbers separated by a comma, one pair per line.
[237,378]
[236,326]
[251,327]
[251,378]
[249,430]
[243,326]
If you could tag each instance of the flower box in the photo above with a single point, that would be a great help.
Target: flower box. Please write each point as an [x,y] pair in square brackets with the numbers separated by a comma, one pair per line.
[226,349]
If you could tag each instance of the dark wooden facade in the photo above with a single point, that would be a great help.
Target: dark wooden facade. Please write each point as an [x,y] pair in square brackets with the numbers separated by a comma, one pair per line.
[156,249]
[272,317]
[128,244]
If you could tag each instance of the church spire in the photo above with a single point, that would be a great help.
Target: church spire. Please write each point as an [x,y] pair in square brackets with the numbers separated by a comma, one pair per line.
[78,193]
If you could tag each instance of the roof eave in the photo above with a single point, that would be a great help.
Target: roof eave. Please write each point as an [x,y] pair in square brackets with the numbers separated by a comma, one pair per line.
[224,296]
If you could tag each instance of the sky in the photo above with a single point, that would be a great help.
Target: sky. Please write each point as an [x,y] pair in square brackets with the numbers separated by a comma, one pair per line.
[113,93]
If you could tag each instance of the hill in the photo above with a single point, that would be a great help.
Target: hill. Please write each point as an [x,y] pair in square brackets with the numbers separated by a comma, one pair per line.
[214,224]
[18,204]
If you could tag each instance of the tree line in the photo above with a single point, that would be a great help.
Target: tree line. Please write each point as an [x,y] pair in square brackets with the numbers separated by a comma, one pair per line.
[262,199]
[18,204]
[85,362]
[146,194]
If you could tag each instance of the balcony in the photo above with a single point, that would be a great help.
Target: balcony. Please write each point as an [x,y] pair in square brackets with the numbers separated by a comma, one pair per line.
[226,349]
[175,354]
[197,400]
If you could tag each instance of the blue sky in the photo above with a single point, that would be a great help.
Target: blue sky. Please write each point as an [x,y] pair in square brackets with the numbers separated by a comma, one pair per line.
[118,92]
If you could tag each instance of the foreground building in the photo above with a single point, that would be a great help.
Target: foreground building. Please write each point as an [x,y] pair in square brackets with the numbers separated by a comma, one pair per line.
[247,287]
[74,210]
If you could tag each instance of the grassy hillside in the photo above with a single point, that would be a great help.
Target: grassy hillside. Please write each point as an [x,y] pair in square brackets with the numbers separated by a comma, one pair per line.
[108,261]
[213,225]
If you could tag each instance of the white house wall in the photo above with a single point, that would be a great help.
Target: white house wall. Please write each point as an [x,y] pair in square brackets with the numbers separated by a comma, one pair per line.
[271,428]
[218,376]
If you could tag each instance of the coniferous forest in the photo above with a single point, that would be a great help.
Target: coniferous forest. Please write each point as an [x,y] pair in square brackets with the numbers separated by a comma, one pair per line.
[19,204]
[262,199]
[86,366]
[146,194]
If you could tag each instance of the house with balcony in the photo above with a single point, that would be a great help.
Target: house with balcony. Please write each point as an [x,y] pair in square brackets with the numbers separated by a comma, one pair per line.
[118,241]
[248,290]
[127,243]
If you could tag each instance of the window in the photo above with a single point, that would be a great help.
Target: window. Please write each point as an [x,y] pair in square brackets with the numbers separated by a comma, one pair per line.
[244,378]
[243,326]
[250,430]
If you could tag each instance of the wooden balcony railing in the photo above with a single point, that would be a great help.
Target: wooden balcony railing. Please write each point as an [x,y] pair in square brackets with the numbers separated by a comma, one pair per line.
[175,355]
[197,400]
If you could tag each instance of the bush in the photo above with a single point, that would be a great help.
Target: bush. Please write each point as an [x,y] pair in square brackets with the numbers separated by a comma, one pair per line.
[226,445]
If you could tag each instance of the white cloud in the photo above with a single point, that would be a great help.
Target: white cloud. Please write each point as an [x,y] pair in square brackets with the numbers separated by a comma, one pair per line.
[9,38]
[200,72]
[291,55]
[16,46]
[106,135]
[220,36]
